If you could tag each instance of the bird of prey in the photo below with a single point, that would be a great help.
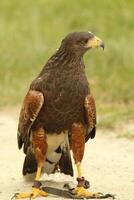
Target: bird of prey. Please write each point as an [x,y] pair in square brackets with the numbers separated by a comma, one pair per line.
[58,114]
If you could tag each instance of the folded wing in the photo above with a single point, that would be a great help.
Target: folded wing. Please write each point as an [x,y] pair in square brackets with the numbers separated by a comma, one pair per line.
[90,115]
[30,109]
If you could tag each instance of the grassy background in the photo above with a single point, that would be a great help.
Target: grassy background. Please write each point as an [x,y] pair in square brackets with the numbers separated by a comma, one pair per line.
[30,31]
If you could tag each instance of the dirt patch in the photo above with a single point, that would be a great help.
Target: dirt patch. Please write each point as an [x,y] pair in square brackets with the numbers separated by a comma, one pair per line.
[108,163]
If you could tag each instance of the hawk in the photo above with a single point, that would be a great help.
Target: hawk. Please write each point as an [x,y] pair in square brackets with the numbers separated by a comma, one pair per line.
[58,114]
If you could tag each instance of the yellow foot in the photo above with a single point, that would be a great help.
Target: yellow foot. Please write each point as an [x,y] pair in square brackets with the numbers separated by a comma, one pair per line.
[82,192]
[32,195]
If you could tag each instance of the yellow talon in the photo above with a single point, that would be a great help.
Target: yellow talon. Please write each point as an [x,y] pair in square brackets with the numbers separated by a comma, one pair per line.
[22,196]
[82,192]
[35,193]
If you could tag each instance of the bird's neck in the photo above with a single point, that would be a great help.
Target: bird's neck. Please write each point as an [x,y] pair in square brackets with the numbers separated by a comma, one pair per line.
[68,55]
[64,60]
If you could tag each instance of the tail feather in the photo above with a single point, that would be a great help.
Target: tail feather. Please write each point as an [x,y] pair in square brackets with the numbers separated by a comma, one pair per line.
[30,163]
[65,163]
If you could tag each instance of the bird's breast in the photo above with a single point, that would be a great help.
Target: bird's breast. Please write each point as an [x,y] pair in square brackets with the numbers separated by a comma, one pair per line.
[64,103]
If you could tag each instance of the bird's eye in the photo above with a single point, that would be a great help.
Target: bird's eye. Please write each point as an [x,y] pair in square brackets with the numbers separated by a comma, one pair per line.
[85,40]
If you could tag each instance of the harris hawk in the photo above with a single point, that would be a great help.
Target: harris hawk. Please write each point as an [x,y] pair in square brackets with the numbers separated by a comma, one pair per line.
[59,115]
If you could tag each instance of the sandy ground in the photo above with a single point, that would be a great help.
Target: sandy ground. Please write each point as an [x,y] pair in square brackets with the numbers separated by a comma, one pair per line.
[108,163]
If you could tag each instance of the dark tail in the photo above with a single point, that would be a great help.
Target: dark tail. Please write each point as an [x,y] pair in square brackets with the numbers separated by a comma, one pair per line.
[65,163]
[30,163]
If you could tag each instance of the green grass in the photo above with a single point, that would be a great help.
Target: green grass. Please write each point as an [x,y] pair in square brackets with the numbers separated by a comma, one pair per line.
[30,31]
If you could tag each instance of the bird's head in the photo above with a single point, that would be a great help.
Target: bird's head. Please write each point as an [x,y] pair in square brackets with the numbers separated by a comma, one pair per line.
[79,42]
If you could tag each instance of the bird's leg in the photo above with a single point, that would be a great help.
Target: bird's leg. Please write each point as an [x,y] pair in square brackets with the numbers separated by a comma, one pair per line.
[77,145]
[80,179]
[83,185]
[40,147]
[36,190]
[38,174]
[78,165]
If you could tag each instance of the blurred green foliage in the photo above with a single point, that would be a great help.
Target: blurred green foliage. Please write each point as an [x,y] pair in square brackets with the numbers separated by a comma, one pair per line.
[30,31]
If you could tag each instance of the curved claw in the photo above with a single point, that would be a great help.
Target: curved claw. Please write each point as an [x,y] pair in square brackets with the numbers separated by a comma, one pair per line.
[31,195]
[81,192]
[105,196]
[30,198]
[14,196]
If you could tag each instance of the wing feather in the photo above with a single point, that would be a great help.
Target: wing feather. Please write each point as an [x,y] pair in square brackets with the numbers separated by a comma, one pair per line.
[90,117]
[30,109]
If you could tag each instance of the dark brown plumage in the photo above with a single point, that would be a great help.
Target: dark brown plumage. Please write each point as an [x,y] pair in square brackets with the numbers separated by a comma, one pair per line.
[59,105]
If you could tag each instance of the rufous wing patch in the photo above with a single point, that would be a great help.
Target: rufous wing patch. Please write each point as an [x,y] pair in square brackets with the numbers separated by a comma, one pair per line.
[30,109]
[90,111]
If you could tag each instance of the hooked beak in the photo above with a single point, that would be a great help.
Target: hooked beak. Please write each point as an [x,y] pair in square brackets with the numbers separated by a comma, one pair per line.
[95,42]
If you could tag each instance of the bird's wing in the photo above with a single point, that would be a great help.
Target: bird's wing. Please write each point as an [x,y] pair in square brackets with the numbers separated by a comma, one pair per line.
[90,112]
[30,109]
